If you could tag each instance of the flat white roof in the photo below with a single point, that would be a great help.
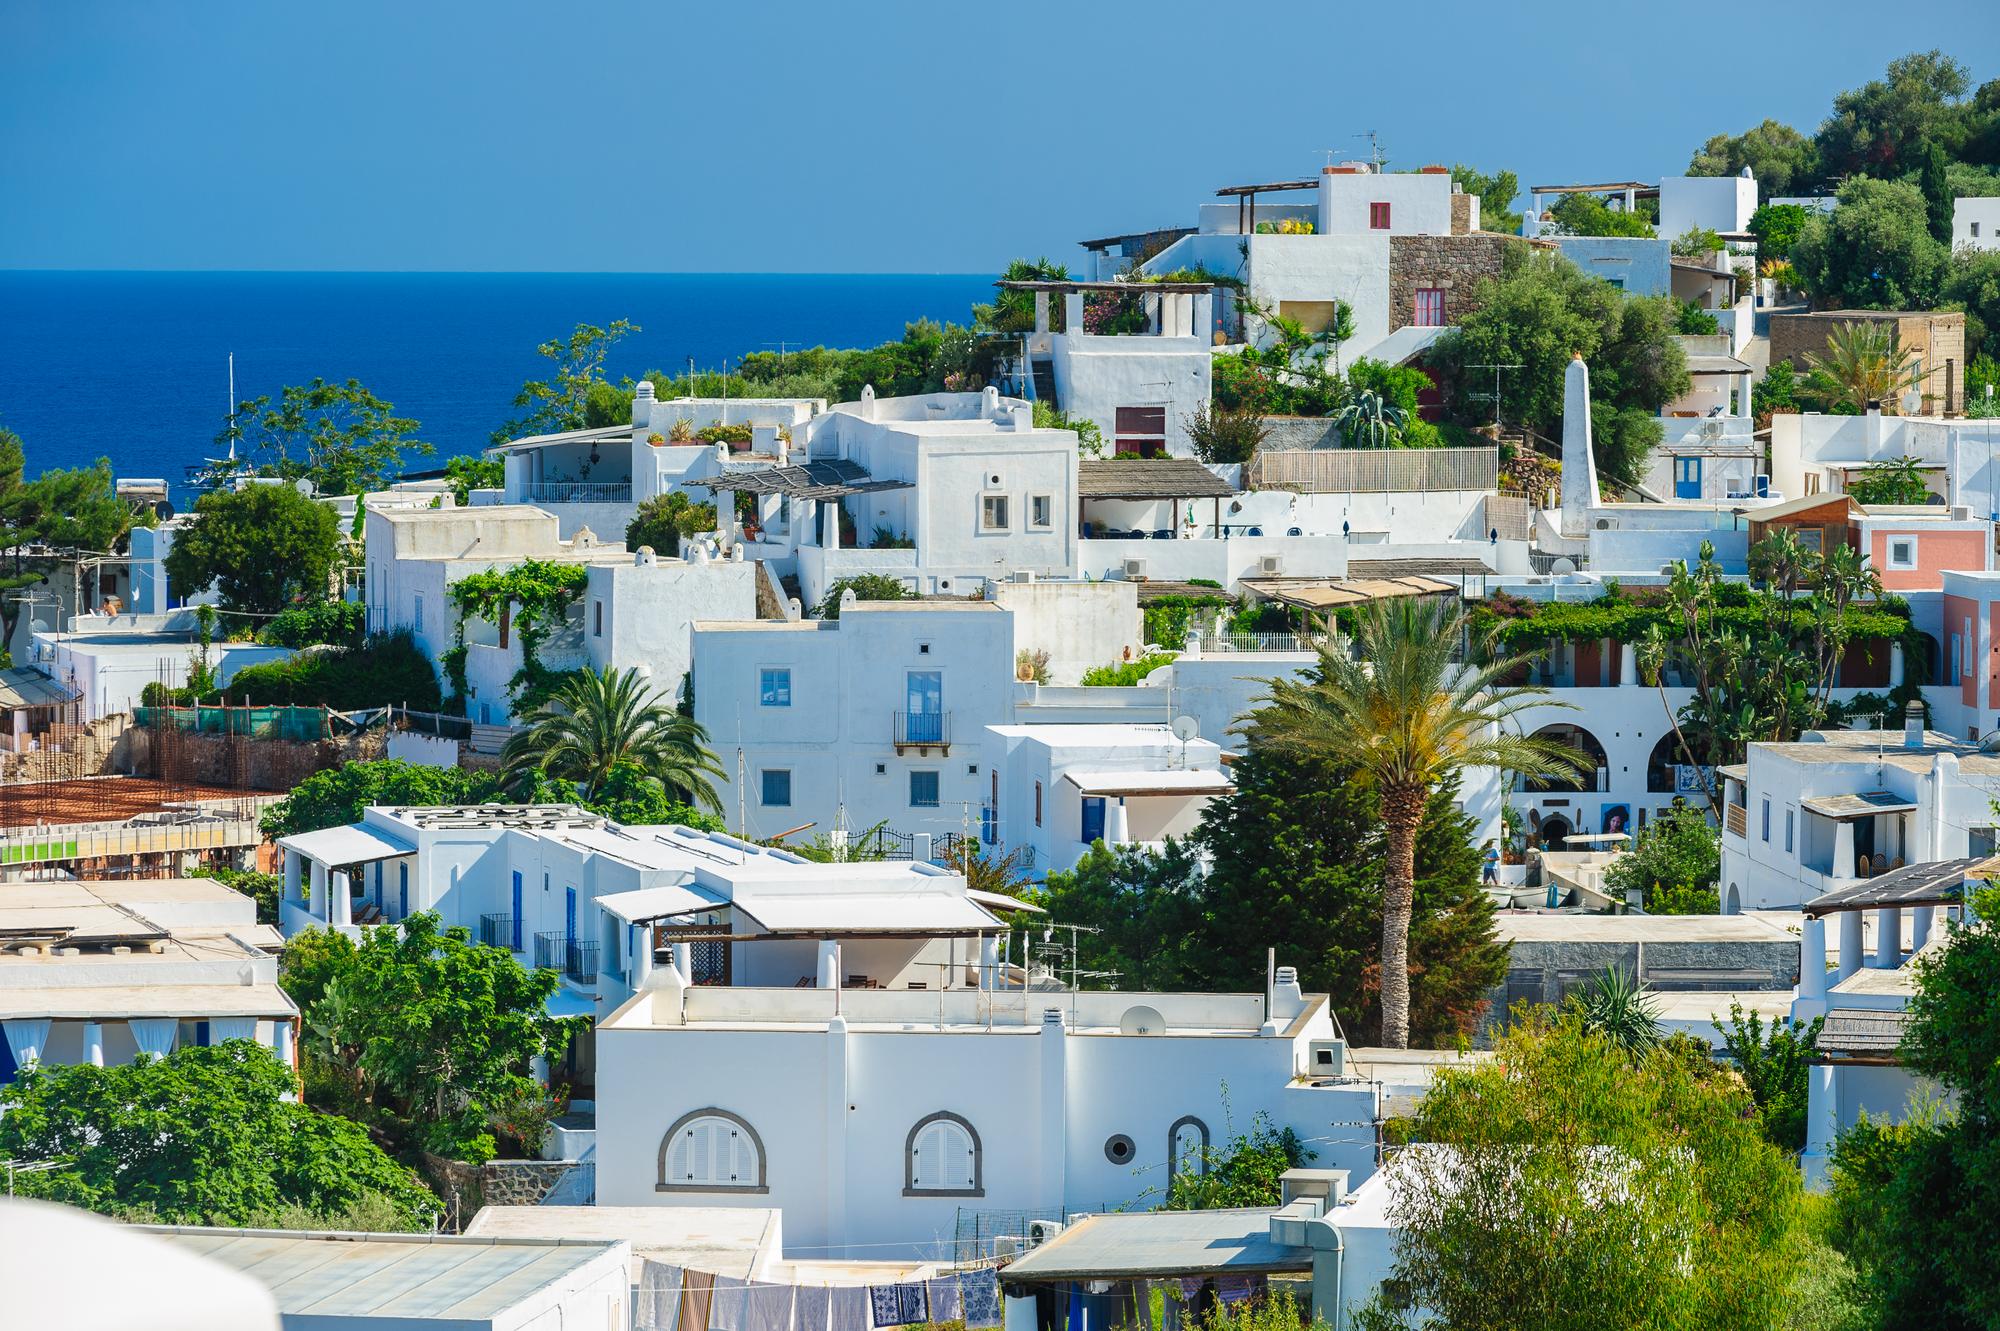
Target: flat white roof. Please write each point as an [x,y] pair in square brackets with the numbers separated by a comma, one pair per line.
[654,903]
[1176,781]
[356,844]
[124,1002]
[915,911]
[725,1240]
[384,1279]
[1560,928]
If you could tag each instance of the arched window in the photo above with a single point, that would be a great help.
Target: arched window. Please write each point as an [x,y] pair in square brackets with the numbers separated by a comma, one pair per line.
[943,1158]
[1577,738]
[712,1150]
[1187,1146]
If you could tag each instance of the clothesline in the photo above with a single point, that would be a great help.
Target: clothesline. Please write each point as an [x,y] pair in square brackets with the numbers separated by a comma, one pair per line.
[673,1298]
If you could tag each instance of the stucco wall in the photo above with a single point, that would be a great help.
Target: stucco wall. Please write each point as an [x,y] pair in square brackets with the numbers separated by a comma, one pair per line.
[1639,264]
[1097,375]
[1079,624]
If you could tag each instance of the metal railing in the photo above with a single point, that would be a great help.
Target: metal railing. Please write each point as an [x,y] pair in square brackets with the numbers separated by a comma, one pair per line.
[551,951]
[580,961]
[576,492]
[1215,641]
[1374,470]
[497,930]
[921,728]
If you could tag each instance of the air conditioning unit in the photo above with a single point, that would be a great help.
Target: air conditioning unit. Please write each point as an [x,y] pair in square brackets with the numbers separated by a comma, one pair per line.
[1326,1058]
[1008,1245]
[1135,569]
[1604,524]
[1041,1231]
[1024,575]
[1270,565]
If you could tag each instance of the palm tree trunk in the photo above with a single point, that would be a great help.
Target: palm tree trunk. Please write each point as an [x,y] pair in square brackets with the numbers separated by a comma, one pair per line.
[1402,812]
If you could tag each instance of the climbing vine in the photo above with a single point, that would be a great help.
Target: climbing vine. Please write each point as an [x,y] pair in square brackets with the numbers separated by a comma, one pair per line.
[540,593]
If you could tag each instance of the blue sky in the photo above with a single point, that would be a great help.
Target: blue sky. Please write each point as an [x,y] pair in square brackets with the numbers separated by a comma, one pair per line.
[597,135]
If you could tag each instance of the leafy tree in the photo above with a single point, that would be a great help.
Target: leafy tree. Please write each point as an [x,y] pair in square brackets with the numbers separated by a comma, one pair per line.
[1973,282]
[1539,313]
[1874,251]
[1915,1198]
[1774,1063]
[328,623]
[1675,862]
[626,795]
[1694,321]
[1938,197]
[204,1136]
[388,668]
[1247,1170]
[1884,127]
[467,473]
[1570,1184]
[266,889]
[1864,363]
[575,380]
[1013,312]
[422,1033]
[264,547]
[866,587]
[337,796]
[1618,1007]
[1147,906]
[1900,481]
[1776,227]
[1695,242]
[1783,160]
[664,521]
[1404,717]
[62,510]
[1588,215]
[596,720]
[1496,192]
[1776,392]
[1221,435]
[340,437]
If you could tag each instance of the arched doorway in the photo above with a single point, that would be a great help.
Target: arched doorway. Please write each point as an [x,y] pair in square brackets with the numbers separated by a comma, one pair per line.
[1575,737]
[1554,831]
[1732,901]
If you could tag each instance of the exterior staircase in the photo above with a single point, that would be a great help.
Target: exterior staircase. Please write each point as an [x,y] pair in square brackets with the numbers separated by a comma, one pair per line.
[1045,381]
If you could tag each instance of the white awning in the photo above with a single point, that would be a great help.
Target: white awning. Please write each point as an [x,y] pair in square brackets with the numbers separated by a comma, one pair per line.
[825,912]
[658,903]
[1177,781]
[126,1002]
[355,844]
[1002,902]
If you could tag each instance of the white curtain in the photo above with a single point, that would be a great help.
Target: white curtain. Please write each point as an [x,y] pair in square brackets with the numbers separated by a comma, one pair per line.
[26,1038]
[231,1028]
[155,1035]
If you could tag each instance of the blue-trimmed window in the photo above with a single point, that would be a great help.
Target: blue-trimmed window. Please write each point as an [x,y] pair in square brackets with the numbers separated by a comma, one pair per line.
[923,790]
[774,687]
[777,791]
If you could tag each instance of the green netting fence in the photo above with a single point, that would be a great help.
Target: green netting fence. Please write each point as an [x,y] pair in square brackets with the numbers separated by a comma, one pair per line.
[305,724]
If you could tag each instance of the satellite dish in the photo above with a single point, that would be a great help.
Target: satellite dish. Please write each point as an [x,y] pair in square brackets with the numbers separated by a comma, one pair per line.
[303,486]
[1563,565]
[164,509]
[1142,1020]
[1913,401]
[1186,728]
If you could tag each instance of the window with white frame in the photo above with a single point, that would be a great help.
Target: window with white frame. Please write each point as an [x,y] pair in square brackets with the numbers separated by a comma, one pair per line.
[774,687]
[1903,552]
[943,1158]
[993,512]
[1788,831]
[711,1150]
[1041,512]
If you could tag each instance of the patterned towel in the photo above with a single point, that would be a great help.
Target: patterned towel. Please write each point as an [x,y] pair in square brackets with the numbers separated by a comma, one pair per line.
[947,1305]
[810,1305]
[980,1296]
[884,1308]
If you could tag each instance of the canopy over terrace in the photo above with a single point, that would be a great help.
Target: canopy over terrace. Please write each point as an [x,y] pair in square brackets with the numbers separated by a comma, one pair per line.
[833,478]
[1151,480]
[1917,891]
[1323,594]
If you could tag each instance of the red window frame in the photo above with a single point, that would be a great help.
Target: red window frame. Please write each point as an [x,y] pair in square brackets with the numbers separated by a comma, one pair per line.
[1378,216]
[1140,432]
[1429,312]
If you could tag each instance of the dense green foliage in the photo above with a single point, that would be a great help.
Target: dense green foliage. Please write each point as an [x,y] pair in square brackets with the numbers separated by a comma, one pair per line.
[338,436]
[866,587]
[424,1035]
[1221,435]
[1245,1170]
[204,1136]
[1912,1199]
[1784,161]
[1675,862]
[1540,312]
[385,669]
[1776,227]
[264,547]
[664,521]
[1775,1064]
[467,473]
[1124,674]
[1588,215]
[266,889]
[566,398]
[596,722]
[1900,481]
[1496,192]
[1875,251]
[1672,1211]
[41,520]
[338,795]
[328,623]
[534,595]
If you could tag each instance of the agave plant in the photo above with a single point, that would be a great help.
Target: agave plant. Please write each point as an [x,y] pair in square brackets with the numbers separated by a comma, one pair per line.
[1367,421]
[1620,1008]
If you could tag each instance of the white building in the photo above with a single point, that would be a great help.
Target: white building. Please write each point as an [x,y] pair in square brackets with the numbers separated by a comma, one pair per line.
[110,659]
[873,1118]
[1975,224]
[99,972]
[1814,454]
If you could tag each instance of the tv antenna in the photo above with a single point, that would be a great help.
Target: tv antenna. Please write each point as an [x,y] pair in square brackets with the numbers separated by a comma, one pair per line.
[1494,396]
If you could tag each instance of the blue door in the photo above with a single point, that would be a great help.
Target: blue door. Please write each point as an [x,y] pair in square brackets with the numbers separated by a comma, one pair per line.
[1093,818]
[402,891]
[515,943]
[1687,478]
[378,887]
[924,690]
[569,913]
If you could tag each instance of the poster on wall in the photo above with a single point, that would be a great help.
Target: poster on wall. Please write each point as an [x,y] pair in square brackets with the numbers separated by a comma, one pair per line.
[1693,781]
[1617,818]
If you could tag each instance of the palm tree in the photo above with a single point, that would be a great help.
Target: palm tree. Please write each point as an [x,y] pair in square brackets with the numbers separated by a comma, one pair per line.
[1863,363]
[597,719]
[1398,708]
[1366,416]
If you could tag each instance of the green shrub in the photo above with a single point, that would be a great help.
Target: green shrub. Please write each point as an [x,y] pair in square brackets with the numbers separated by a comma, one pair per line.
[1127,673]
[385,669]
[866,587]
[334,623]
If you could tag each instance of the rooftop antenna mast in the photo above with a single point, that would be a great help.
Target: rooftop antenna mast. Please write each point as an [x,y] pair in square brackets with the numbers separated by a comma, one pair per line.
[1494,396]
[232,406]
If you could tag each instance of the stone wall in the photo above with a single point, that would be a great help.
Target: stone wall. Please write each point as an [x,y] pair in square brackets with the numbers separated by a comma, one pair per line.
[1461,214]
[1936,336]
[1537,971]
[1290,432]
[1454,263]
[465,1188]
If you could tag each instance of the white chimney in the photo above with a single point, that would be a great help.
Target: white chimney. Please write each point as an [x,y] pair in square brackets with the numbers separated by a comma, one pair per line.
[1913,726]
[1873,425]
[1579,461]
[642,405]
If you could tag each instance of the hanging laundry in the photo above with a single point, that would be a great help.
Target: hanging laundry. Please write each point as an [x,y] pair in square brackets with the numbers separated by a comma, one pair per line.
[697,1291]
[659,1303]
[725,1312]
[848,1308]
[884,1308]
[979,1292]
[947,1304]
[767,1308]
[912,1303]
[810,1306]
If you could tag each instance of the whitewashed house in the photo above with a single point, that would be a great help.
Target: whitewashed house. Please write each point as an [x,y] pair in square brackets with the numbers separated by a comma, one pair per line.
[101,972]
[874,1118]
[1975,224]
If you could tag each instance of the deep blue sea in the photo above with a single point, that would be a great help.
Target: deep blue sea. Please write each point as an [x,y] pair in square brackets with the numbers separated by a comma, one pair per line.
[134,366]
